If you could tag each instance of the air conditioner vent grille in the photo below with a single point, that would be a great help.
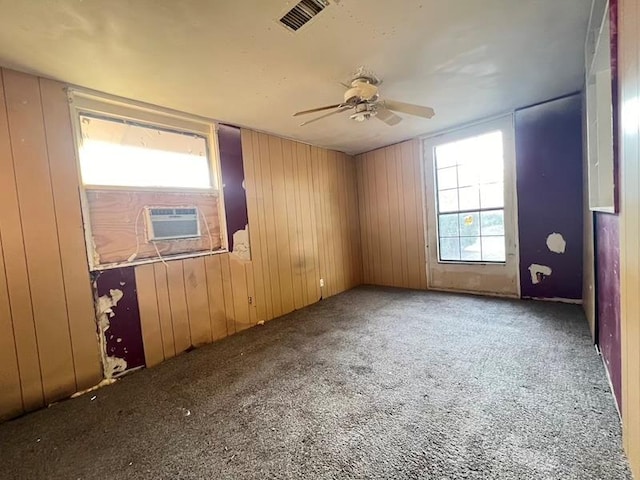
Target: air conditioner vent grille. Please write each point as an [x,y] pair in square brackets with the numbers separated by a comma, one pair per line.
[172,223]
[304,11]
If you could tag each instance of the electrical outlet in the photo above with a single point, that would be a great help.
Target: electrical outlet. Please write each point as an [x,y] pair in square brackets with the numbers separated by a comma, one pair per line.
[321,282]
[250,300]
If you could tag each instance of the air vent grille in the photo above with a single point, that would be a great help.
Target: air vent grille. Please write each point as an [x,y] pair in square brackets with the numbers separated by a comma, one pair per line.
[172,223]
[304,11]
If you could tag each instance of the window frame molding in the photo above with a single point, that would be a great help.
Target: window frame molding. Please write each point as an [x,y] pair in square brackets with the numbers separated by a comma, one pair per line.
[459,269]
[109,106]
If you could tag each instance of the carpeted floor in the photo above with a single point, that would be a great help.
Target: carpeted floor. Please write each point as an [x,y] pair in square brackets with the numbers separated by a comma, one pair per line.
[374,383]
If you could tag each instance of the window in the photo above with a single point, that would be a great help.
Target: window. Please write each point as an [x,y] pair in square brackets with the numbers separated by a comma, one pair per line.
[122,153]
[149,182]
[599,99]
[470,199]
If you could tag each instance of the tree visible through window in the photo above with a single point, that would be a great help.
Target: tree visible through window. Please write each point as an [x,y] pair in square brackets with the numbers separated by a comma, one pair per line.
[470,199]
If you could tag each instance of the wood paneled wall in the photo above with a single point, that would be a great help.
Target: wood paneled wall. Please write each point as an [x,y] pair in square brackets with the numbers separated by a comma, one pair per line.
[629,88]
[192,302]
[303,227]
[303,223]
[48,342]
[391,216]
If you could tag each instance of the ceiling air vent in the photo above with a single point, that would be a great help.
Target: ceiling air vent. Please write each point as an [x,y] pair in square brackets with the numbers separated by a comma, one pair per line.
[304,11]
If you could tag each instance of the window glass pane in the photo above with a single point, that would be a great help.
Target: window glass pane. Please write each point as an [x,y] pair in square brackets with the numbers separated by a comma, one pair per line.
[449,249]
[469,172]
[493,249]
[446,155]
[470,177]
[448,201]
[449,225]
[469,198]
[469,224]
[492,195]
[492,170]
[117,153]
[447,178]
[492,222]
[470,249]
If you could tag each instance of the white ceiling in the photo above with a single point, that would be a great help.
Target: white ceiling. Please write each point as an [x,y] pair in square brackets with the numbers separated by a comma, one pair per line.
[231,60]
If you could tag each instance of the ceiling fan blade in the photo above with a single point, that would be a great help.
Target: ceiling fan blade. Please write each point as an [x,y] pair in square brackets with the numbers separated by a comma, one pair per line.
[339,110]
[409,108]
[387,116]
[320,109]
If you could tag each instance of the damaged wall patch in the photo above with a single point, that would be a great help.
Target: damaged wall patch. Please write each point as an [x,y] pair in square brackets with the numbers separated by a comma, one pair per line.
[556,243]
[538,272]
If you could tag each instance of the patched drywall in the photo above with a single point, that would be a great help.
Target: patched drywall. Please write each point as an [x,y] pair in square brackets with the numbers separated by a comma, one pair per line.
[539,273]
[549,186]
[556,243]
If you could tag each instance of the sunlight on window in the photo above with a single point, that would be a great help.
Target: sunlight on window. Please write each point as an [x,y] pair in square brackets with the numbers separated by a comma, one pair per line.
[114,153]
[470,199]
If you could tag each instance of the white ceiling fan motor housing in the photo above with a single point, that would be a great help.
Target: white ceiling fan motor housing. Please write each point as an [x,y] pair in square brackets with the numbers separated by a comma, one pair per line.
[361,90]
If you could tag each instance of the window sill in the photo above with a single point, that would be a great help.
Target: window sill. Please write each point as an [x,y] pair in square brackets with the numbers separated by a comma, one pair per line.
[117,188]
[470,262]
[167,258]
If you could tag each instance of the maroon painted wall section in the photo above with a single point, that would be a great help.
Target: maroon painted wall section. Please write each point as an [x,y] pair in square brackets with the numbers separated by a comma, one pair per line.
[124,336]
[608,292]
[235,198]
[607,252]
[549,187]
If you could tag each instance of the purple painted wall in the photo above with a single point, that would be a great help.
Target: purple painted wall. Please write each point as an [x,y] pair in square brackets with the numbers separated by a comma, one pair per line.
[549,188]
[607,252]
[124,336]
[608,296]
[235,199]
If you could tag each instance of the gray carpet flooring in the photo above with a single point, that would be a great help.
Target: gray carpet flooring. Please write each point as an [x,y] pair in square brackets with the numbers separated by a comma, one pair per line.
[374,383]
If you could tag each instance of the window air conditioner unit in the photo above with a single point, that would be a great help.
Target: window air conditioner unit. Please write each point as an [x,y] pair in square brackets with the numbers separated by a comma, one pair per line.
[172,223]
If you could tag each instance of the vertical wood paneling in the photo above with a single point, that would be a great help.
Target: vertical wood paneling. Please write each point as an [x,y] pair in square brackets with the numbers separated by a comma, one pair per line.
[178,306]
[11,397]
[629,78]
[49,341]
[217,311]
[40,235]
[391,216]
[149,316]
[227,290]
[18,288]
[64,182]
[257,237]
[240,295]
[164,309]
[195,281]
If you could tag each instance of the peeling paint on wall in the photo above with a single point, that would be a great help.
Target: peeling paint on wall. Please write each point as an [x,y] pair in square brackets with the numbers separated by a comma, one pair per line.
[104,312]
[539,272]
[241,247]
[556,243]
[123,338]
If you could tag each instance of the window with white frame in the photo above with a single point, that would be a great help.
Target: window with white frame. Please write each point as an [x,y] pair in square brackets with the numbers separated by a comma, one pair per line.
[150,181]
[469,176]
[122,153]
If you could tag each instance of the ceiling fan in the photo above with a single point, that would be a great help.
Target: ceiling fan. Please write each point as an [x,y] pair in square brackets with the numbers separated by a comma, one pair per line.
[362,97]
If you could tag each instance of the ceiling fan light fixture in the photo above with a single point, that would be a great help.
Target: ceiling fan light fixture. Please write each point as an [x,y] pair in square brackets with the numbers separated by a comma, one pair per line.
[362,116]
